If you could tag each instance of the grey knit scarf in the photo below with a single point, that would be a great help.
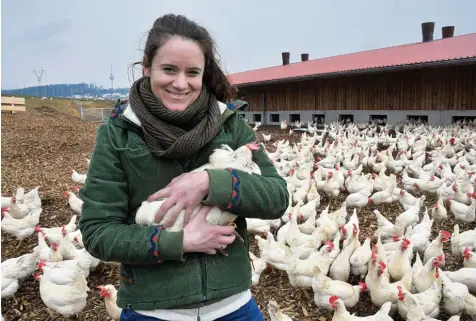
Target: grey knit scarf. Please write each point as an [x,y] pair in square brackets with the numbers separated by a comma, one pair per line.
[175,134]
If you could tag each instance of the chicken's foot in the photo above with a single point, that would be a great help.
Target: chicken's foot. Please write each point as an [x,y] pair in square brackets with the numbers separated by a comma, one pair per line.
[222,252]
[51,313]
[238,236]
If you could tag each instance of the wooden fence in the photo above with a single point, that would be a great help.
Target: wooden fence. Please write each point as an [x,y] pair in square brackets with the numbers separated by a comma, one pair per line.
[13,104]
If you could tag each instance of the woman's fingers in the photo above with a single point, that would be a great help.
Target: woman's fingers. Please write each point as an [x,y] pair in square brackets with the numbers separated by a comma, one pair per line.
[188,215]
[163,193]
[226,239]
[223,230]
[164,208]
[174,213]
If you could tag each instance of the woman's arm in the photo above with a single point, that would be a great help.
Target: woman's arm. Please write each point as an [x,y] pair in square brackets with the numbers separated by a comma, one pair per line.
[262,196]
[104,218]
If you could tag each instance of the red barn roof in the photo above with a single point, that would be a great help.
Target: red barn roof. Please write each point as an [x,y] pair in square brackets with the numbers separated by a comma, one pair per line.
[454,48]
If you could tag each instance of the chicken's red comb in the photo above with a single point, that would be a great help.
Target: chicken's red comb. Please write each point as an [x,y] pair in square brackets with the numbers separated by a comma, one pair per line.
[441,257]
[466,251]
[382,265]
[406,241]
[399,289]
[445,233]
[396,238]
[333,299]
[329,243]
[363,285]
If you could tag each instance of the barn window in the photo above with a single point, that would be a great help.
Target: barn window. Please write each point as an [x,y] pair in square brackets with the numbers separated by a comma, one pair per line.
[380,119]
[417,119]
[274,118]
[257,117]
[346,118]
[463,119]
[319,118]
[294,118]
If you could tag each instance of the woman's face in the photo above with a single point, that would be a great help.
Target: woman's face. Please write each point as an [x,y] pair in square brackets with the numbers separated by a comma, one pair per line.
[176,73]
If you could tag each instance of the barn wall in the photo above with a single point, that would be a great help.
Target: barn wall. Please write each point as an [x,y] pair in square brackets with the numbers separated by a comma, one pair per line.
[428,89]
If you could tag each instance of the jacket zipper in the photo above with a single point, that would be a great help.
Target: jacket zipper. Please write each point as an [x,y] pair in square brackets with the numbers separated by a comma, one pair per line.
[203,270]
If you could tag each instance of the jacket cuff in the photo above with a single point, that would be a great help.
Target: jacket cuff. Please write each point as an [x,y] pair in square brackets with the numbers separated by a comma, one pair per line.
[221,188]
[166,246]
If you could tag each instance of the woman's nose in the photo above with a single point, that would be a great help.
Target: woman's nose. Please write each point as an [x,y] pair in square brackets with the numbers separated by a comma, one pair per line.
[180,82]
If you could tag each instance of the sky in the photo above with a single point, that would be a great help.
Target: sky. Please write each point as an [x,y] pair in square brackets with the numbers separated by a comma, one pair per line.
[79,40]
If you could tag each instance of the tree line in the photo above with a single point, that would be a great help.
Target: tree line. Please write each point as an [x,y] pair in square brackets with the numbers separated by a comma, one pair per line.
[64,90]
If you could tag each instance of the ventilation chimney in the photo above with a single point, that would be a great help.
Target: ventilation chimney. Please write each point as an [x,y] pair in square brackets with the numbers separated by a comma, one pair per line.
[285,58]
[427,29]
[447,31]
[304,57]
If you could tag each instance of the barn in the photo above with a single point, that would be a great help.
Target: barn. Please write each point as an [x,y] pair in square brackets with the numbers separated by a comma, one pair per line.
[432,80]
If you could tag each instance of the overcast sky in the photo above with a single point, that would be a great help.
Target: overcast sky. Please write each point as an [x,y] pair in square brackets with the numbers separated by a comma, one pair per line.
[78,40]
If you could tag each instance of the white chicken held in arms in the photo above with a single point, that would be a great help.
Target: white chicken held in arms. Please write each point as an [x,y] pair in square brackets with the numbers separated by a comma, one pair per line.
[221,158]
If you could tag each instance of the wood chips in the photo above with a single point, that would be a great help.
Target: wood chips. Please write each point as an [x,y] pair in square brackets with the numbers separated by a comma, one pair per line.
[38,148]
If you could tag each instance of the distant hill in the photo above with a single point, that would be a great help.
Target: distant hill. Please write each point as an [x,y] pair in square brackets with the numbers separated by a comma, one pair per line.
[65,90]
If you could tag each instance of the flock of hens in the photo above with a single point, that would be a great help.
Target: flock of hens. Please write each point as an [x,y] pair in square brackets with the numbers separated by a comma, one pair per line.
[400,265]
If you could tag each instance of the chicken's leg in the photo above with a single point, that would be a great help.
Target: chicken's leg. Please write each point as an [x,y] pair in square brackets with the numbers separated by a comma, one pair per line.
[238,236]
[51,313]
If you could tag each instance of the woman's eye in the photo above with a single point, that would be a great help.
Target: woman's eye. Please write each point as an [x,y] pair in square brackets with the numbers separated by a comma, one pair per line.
[169,70]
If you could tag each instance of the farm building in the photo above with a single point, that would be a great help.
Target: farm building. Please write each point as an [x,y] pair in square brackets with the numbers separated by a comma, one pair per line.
[434,80]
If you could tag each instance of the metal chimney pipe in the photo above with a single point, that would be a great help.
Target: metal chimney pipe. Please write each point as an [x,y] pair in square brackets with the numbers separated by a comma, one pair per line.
[304,57]
[427,29]
[285,56]
[447,31]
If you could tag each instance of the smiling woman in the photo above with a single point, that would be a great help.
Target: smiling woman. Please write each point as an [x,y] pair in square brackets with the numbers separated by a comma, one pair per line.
[176,73]
[175,118]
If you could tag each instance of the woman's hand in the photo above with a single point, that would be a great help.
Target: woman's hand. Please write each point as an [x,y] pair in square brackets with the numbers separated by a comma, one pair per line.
[186,191]
[199,236]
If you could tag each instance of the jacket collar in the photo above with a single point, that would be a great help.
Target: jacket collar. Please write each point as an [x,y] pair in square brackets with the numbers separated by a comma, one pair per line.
[131,116]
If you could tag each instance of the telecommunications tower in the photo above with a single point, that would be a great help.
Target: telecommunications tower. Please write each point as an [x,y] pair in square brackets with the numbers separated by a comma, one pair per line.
[111,77]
